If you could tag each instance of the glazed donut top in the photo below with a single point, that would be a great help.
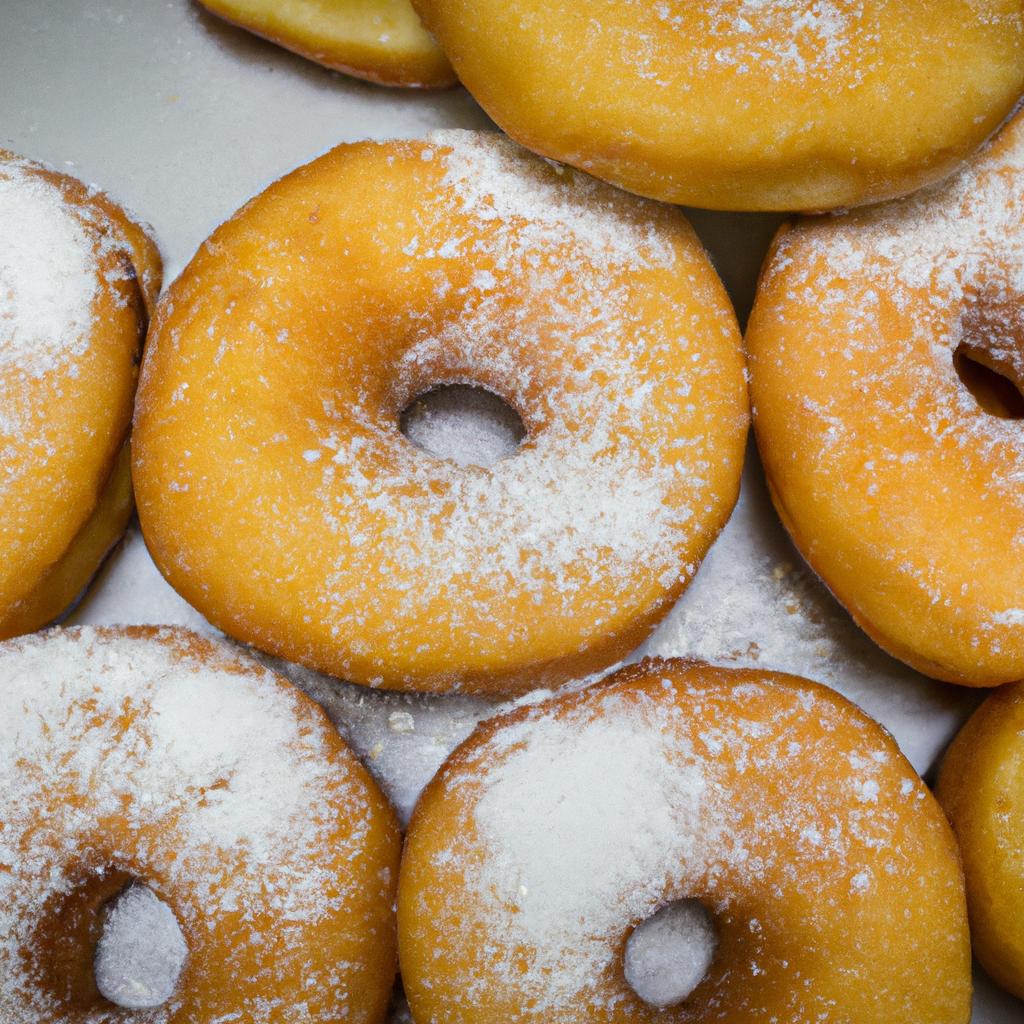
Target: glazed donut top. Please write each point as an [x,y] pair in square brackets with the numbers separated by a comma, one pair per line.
[75,279]
[152,744]
[281,360]
[743,104]
[883,460]
[555,829]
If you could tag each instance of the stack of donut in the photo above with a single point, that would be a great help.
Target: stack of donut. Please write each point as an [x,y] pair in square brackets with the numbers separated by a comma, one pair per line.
[676,841]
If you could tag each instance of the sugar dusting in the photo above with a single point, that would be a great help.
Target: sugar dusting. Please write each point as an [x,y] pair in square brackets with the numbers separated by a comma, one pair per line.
[141,951]
[583,499]
[226,780]
[945,265]
[962,241]
[781,39]
[588,813]
[553,886]
[786,37]
[535,292]
[48,275]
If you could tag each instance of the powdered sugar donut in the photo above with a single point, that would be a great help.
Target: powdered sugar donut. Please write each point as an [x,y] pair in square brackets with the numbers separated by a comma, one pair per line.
[278,495]
[382,41]
[76,278]
[558,833]
[887,362]
[154,757]
[743,104]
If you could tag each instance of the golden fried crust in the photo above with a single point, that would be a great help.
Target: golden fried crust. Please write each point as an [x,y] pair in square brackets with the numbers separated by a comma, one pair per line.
[981,787]
[381,41]
[278,496]
[830,872]
[58,589]
[740,106]
[899,485]
[288,926]
[67,420]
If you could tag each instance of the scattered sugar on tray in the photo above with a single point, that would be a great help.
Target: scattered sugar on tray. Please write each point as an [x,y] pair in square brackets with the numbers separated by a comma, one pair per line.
[668,955]
[402,738]
[141,950]
[48,275]
[469,426]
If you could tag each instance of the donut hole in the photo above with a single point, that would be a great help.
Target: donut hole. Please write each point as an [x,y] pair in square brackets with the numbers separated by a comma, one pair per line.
[669,954]
[463,423]
[996,392]
[141,950]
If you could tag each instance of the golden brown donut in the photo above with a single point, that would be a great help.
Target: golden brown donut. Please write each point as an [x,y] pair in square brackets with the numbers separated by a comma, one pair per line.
[77,278]
[981,787]
[899,483]
[830,873]
[154,756]
[743,104]
[381,41]
[277,494]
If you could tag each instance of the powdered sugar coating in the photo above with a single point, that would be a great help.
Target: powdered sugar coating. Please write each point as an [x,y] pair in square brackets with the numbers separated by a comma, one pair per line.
[555,830]
[558,890]
[76,276]
[184,766]
[48,275]
[891,293]
[783,37]
[595,315]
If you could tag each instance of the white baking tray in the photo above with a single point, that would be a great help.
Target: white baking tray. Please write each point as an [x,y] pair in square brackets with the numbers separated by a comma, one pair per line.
[183,118]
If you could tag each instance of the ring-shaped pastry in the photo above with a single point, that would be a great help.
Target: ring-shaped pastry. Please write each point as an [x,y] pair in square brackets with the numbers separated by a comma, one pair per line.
[278,496]
[77,278]
[887,362]
[743,104]
[154,757]
[381,41]
[828,870]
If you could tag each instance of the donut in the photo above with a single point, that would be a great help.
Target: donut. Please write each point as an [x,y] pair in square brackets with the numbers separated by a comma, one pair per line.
[151,760]
[381,41]
[743,104]
[884,347]
[278,495]
[556,834]
[77,278]
[979,786]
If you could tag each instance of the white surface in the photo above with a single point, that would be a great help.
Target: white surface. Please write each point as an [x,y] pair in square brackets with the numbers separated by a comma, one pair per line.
[141,950]
[668,955]
[183,119]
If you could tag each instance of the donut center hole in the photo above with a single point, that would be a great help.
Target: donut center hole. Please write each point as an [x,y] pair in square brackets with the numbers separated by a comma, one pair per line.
[996,392]
[141,951]
[463,423]
[669,954]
